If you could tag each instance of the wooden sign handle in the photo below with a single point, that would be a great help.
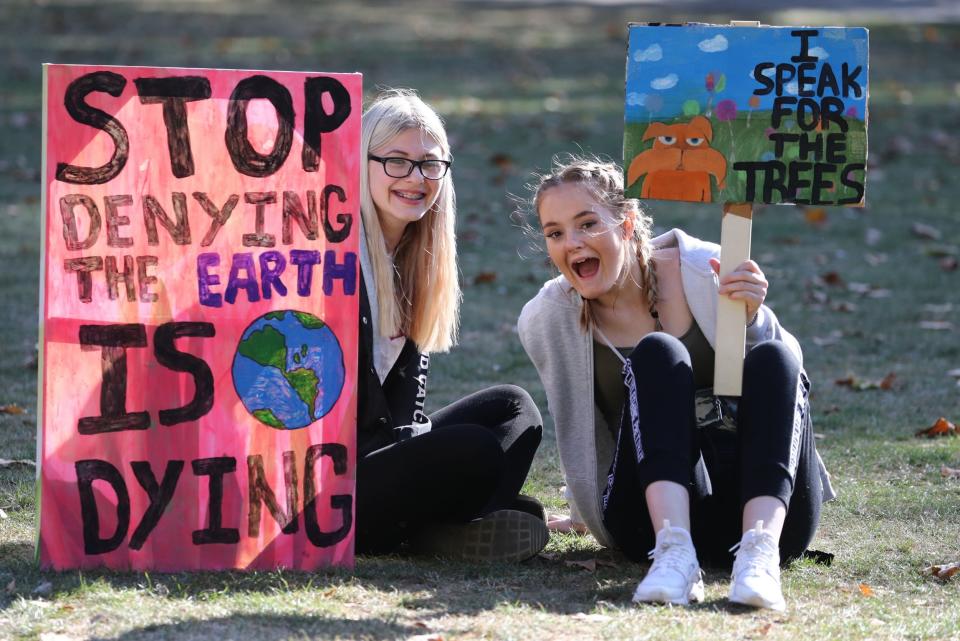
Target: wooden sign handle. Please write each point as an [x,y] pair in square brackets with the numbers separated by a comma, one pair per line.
[731,314]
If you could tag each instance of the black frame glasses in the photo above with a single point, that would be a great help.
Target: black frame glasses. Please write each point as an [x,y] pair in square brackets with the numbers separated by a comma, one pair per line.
[392,166]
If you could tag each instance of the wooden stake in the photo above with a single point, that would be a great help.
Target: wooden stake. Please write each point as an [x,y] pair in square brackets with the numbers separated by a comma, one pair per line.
[731,314]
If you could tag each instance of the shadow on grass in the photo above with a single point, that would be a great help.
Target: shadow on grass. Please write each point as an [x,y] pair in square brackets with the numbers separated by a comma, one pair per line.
[428,587]
[265,627]
[563,583]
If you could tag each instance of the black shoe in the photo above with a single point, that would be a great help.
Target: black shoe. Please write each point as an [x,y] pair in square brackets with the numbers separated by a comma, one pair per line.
[530,505]
[501,536]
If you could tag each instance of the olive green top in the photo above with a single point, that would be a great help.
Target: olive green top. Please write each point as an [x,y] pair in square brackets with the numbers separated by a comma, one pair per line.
[609,390]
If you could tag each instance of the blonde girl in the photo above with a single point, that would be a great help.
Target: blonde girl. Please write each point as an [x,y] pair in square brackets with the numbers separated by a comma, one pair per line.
[447,482]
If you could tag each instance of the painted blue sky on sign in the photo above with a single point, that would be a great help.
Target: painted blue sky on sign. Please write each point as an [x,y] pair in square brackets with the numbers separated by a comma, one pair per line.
[668,66]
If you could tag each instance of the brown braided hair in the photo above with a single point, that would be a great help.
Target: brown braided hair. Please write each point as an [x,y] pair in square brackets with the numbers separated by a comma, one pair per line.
[604,180]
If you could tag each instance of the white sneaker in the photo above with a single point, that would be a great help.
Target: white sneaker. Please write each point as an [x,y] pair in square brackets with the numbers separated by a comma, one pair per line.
[756,571]
[674,576]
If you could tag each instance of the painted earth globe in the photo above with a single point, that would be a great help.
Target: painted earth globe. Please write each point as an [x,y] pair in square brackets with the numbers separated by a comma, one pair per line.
[288,369]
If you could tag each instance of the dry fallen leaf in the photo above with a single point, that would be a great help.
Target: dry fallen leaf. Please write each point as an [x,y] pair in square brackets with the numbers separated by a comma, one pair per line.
[858,384]
[11,408]
[921,230]
[949,472]
[940,427]
[832,278]
[844,306]
[763,630]
[815,216]
[866,590]
[865,289]
[936,325]
[501,160]
[484,277]
[943,572]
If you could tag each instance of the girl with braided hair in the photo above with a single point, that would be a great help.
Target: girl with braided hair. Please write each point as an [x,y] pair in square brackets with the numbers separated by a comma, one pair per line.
[623,341]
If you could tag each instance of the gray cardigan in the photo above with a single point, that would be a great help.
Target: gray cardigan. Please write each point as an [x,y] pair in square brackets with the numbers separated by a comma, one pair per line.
[549,329]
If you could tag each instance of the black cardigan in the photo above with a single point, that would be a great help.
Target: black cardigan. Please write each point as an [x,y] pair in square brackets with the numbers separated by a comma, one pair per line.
[399,401]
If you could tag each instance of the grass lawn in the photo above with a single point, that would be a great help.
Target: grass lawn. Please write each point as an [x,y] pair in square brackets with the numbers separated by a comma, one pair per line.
[869,292]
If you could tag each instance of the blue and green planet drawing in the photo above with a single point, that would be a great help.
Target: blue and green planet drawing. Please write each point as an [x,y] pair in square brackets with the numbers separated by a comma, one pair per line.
[288,369]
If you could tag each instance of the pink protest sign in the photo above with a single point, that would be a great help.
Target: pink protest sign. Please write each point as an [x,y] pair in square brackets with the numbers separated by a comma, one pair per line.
[199,318]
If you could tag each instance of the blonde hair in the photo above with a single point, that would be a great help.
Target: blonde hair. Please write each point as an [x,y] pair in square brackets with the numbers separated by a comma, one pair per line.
[418,293]
[604,181]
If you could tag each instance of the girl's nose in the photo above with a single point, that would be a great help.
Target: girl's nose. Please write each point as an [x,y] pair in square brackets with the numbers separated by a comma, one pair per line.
[575,239]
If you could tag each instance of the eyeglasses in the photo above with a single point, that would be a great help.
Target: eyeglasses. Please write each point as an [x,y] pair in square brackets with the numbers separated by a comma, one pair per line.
[403,167]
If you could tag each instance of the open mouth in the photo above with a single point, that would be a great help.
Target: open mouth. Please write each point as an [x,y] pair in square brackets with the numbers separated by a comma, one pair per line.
[586,267]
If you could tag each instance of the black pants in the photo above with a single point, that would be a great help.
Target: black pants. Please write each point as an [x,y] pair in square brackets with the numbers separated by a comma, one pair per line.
[473,461]
[769,453]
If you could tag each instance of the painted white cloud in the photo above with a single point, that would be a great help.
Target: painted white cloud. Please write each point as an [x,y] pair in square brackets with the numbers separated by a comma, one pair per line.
[667,82]
[714,44]
[792,88]
[819,52]
[651,54]
[635,99]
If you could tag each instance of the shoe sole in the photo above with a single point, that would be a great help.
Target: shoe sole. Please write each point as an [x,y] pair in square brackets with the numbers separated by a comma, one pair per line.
[502,536]
[757,601]
[694,595]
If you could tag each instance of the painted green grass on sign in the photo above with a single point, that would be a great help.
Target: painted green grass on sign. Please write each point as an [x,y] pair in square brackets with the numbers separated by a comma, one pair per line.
[747,138]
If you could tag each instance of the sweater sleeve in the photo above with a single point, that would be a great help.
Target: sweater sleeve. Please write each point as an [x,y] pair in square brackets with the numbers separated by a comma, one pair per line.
[767,327]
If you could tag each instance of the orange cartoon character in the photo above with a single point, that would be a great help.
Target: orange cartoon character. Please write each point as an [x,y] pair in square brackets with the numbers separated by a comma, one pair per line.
[680,163]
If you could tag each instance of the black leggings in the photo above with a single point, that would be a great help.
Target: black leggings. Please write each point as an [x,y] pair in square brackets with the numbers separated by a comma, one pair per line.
[769,453]
[473,461]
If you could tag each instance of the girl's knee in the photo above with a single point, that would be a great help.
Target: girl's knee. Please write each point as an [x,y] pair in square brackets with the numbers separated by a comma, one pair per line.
[769,357]
[660,359]
[519,402]
[516,395]
[660,347]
